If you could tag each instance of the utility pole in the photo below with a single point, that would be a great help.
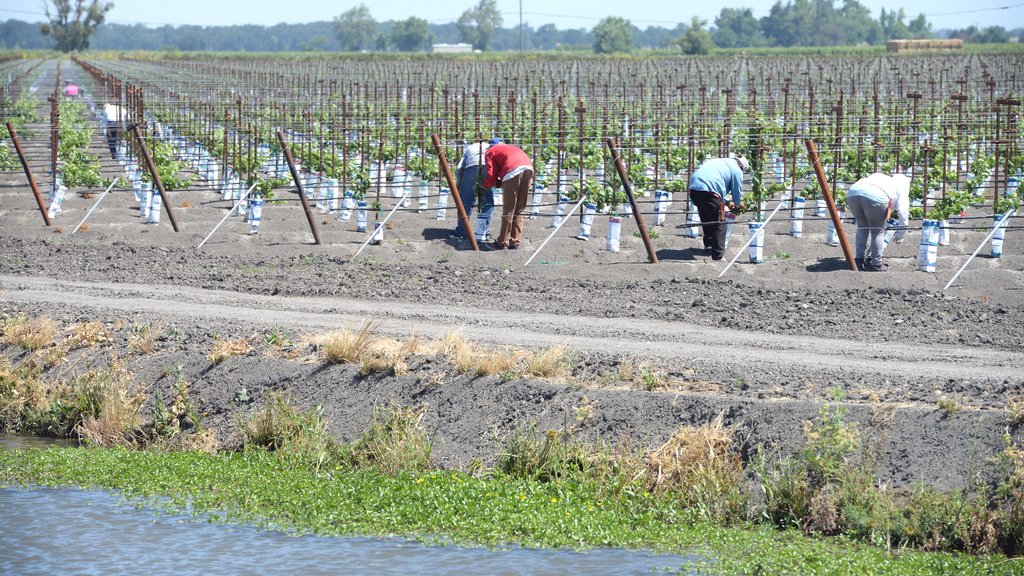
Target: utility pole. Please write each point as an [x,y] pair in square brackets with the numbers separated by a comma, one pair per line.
[520,25]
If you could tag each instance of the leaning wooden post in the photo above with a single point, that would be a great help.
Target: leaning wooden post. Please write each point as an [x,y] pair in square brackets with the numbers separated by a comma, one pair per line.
[134,128]
[298,184]
[28,172]
[812,155]
[455,190]
[621,169]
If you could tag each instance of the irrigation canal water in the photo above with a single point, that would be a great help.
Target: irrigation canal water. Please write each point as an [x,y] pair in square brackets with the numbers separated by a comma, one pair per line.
[69,531]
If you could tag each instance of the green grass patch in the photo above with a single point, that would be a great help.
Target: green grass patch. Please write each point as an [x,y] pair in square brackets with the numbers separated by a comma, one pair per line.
[263,489]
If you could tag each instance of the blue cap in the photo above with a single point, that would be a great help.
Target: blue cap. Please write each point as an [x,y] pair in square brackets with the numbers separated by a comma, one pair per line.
[495,140]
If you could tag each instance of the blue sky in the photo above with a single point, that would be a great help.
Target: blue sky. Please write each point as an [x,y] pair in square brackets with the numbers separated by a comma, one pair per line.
[564,13]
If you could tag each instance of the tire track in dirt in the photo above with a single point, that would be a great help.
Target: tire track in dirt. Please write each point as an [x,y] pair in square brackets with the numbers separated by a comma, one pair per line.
[715,350]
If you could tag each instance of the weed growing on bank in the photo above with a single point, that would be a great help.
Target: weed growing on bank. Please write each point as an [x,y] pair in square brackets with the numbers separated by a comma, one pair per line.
[113,415]
[99,405]
[143,339]
[300,436]
[828,489]
[395,442]
[1015,411]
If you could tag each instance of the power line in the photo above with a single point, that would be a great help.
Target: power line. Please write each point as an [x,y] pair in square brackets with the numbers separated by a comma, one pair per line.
[22,12]
[977,10]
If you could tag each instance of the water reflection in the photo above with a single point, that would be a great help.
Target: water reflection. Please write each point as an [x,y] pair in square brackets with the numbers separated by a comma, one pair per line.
[46,531]
[12,441]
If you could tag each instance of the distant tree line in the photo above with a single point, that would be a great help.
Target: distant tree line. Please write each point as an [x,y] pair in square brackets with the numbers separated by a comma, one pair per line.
[793,23]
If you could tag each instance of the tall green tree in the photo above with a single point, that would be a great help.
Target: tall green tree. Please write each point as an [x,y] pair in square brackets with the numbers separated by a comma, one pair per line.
[822,23]
[411,35]
[476,25]
[72,23]
[893,27]
[613,34]
[696,40]
[921,28]
[788,24]
[356,28]
[860,26]
[737,28]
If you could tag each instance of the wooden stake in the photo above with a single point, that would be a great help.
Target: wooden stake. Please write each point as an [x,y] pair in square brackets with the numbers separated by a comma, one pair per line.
[298,184]
[28,173]
[455,190]
[134,128]
[812,155]
[637,215]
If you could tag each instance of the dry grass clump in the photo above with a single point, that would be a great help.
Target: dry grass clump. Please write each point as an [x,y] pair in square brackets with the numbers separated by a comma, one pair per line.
[377,354]
[551,363]
[702,464]
[32,334]
[504,361]
[117,420]
[347,346]
[376,364]
[88,334]
[100,407]
[459,350]
[388,355]
[21,392]
[225,349]
[374,354]
[471,359]
[143,340]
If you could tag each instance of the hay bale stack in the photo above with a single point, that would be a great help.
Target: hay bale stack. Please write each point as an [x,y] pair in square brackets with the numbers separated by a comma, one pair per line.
[923,45]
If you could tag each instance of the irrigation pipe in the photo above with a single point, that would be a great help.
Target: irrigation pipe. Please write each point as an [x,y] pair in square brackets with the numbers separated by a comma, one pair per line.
[555,231]
[750,239]
[383,222]
[982,245]
[97,203]
[230,212]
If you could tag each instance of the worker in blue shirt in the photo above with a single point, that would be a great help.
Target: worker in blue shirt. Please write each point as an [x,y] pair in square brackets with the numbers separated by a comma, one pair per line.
[714,181]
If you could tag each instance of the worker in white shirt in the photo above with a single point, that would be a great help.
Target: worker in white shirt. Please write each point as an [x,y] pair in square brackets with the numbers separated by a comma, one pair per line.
[872,200]
[114,117]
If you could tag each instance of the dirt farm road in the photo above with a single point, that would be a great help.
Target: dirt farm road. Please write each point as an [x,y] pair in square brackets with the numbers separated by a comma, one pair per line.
[791,358]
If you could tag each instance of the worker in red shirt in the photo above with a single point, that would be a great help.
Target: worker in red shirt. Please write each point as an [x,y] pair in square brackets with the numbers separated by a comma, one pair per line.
[510,167]
[70,89]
